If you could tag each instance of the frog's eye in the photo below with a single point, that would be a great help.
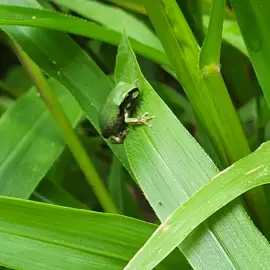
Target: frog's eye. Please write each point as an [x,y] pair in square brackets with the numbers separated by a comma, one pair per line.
[130,100]
[135,94]
[132,95]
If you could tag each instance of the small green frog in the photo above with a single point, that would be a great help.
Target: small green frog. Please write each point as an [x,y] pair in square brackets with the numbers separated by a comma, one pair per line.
[114,117]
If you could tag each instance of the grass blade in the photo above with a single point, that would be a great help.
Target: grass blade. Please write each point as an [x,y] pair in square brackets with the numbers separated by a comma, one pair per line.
[113,18]
[256,36]
[205,88]
[67,131]
[147,45]
[210,52]
[33,128]
[50,192]
[132,5]
[170,166]
[83,78]
[209,64]
[66,238]
[231,34]
[90,87]
[206,91]
[249,172]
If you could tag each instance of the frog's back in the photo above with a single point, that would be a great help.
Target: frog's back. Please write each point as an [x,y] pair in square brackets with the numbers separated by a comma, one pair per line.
[110,120]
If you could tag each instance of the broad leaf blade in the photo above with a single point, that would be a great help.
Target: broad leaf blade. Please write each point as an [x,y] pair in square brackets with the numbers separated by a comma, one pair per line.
[149,47]
[90,87]
[35,143]
[147,44]
[231,34]
[249,172]
[170,166]
[113,18]
[206,92]
[210,51]
[254,22]
[65,238]
[69,65]
[120,192]
[50,192]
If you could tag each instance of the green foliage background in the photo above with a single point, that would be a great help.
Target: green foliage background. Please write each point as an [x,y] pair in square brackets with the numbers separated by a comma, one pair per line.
[70,199]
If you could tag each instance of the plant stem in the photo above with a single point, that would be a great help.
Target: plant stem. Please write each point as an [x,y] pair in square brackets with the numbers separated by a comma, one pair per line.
[67,131]
[206,92]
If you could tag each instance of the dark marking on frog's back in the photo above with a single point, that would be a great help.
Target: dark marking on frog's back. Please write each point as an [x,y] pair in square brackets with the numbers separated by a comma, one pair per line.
[118,124]
[114,127]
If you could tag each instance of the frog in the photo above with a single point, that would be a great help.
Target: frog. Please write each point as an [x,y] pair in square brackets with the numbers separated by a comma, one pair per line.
[115,114]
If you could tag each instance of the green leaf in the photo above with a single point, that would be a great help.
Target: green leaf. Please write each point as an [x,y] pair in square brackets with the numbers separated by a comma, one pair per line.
[116,185]
[192,13]
[210,51]
[170,166]
[45,4]
[17,81]
[237,71]
[177,103]
[134,5]
[5,104]
[118,188]
[231,34]
[144,41]
[65,238]
[249,172]
[205,88]
[66,173]
[50,192]
[81,76]
[35,143]
[207,93]
[113,18]
[254,22]
[148,46]
[90,87]
[66,129]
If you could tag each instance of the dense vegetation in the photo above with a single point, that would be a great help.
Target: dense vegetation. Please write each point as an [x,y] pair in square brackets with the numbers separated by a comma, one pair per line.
[72,199]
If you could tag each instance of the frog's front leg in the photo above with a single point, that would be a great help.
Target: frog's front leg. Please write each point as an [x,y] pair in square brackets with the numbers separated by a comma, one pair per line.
[141,120]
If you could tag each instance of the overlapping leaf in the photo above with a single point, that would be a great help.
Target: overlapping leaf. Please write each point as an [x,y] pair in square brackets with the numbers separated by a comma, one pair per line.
[40,236]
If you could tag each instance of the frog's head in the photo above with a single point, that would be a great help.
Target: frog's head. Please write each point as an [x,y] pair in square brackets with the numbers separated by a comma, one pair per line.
[120,103]
[130,102]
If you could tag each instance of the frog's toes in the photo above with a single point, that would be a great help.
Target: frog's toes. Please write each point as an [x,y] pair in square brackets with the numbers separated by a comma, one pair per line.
[145,117]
